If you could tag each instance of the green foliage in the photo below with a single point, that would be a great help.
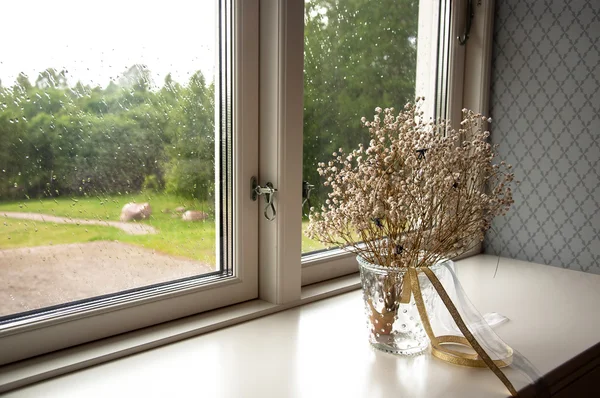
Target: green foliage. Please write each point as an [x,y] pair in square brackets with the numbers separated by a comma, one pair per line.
[151,184]
[51,78]
[59,139]
[359,54]
[190,171]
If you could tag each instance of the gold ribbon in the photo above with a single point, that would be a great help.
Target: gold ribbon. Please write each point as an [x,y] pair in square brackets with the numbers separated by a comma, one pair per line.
[410,285]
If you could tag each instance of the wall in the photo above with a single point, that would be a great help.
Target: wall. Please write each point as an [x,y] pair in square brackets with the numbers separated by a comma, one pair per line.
[545,103]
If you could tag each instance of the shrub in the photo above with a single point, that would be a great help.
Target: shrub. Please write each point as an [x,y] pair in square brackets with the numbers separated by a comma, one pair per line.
[151,184]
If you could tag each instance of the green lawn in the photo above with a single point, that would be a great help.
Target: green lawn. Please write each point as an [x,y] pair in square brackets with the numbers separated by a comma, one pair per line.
[24,233]
[309,245]
[195,240]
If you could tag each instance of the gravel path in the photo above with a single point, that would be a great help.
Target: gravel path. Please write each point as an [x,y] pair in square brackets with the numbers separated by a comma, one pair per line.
[131,228]
[37,277]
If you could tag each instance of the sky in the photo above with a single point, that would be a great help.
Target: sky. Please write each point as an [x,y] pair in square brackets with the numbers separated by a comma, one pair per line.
[95,42]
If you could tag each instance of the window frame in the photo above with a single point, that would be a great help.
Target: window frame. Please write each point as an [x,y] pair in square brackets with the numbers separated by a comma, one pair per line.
[281,118]
[131,311]
[269,263]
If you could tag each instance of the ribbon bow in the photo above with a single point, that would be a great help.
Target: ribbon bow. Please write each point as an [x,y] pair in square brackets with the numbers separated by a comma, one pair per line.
[410,286]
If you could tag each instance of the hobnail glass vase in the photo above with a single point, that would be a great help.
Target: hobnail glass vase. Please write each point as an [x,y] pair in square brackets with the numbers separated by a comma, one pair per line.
[394,327]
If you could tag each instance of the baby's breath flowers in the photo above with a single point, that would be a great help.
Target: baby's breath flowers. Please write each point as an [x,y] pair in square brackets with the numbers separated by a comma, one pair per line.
[418,193]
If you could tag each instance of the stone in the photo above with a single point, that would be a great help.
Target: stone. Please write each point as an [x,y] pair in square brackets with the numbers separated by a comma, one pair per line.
[194,215]
[135,211]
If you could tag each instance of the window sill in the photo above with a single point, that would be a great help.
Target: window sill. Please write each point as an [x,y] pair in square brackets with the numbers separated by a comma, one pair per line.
[553,322]
[54,364]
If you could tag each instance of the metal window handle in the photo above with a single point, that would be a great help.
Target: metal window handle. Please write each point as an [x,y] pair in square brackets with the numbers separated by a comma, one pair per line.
[269,193]
[306,189]
[470,14]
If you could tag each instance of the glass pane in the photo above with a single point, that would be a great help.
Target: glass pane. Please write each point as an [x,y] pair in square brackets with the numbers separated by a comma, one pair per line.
[358,55]
[107,161]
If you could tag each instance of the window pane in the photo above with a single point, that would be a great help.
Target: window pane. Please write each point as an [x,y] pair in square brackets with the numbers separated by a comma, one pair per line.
[107,161]
[358,55]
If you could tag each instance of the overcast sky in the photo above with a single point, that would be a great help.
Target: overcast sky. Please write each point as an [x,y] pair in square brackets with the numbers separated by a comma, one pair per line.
[97,41]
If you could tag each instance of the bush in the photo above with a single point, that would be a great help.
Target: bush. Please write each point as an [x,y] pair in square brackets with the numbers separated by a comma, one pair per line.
[190,178]
[151,184]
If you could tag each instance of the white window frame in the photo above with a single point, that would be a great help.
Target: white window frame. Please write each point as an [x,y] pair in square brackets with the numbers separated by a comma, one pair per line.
[281,117]
[269,264]
[20,340]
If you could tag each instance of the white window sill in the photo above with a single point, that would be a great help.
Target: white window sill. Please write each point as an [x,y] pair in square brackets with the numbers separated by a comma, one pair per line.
[321,349]
[69,360]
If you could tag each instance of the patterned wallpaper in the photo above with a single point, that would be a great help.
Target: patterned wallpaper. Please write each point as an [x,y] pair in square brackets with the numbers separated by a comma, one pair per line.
[545,103]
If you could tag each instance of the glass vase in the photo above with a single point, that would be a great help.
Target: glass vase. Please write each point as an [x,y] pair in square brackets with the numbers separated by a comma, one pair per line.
[394,327]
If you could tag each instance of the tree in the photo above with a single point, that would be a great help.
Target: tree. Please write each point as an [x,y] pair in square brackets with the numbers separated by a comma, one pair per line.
[59,140]
[359,54]
[190,170]
[137,78]
[23,83]
[51,78]
[11,129]
[80,140]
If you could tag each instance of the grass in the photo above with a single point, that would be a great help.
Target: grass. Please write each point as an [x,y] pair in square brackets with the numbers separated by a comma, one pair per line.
[24,233]
[309,245]
[194,240]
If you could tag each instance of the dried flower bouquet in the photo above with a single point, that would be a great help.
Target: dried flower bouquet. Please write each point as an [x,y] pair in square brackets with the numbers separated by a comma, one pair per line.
[420,191]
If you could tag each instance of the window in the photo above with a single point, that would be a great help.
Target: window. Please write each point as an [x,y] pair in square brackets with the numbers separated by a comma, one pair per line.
[121,194]
[108,179]
[360,55]
[266,83]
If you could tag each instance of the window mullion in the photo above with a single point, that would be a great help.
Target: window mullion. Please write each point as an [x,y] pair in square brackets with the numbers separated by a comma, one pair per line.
[478,59]
[427,54]
[281,107]
[456,63]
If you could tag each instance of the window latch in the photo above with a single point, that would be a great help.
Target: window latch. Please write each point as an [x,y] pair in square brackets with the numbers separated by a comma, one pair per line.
[307,187]
[462,39]
[269,192]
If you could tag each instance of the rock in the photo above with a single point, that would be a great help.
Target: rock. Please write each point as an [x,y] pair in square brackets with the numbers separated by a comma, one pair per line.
[194,215]
[135,211]
[180,209]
